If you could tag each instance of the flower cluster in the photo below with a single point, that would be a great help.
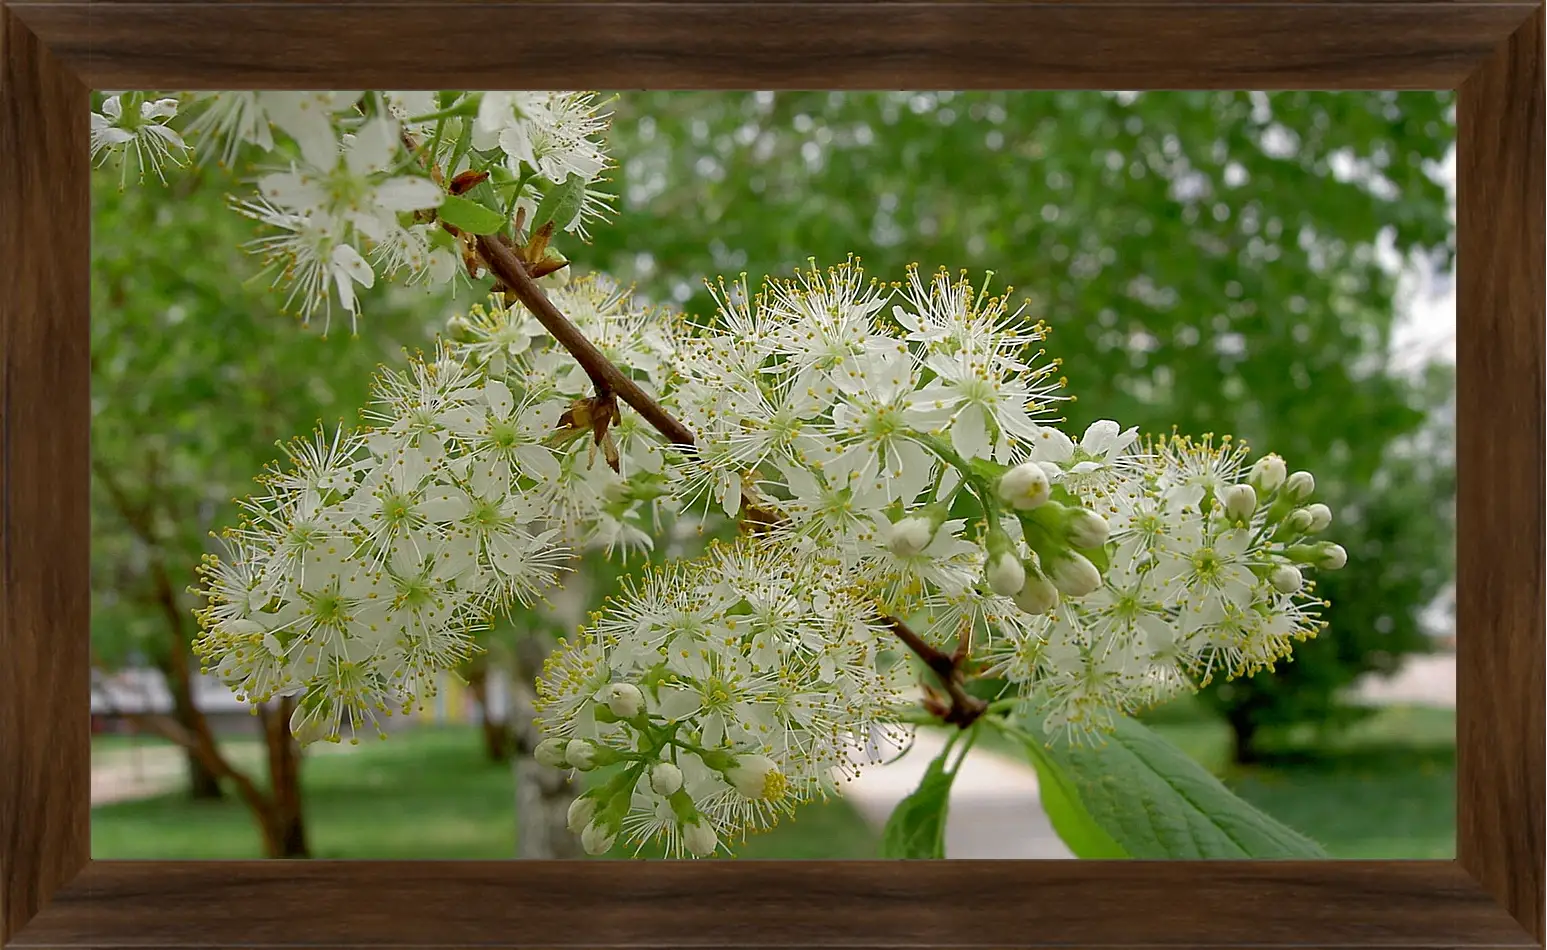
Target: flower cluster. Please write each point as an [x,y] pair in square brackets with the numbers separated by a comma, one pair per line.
[1205,573]
[718,694]
[373,559]
[852,411]
[357,192]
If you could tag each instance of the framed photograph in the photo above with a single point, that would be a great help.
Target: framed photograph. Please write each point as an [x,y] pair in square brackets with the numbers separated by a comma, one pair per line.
[766,458]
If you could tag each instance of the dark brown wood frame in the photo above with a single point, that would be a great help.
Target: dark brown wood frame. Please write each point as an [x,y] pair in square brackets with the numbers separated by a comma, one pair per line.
[53,895]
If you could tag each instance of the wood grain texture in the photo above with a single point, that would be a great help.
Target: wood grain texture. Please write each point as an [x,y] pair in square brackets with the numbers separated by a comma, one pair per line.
[1500,438]
[766,904]
[908,45]
[44,529]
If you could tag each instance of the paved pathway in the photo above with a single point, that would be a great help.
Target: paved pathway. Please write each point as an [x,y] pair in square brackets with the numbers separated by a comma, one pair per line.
[125,774]
[1423,681]
[994,810]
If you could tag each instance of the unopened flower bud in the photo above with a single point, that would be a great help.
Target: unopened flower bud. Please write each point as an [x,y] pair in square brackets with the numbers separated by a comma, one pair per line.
[624,699]
[1269,473]
[1025,486]
[1005,574]
[911,535]
[1074,575]
[665,778]
[582,754]
[757,777]
[1240,501]
[1333,557]
[699,837]
[1300,485]
[581,811]
[1086,529]
[1286,579]
[1321,517]
[1300,520]
[597,839]
[1037,596]
[550,752]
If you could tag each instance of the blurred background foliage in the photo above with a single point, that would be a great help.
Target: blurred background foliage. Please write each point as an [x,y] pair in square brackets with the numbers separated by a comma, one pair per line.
[1215,261]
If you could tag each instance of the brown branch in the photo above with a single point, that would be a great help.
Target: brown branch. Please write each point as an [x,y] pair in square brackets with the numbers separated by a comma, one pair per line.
[964,708]
[606,377]
[137,517]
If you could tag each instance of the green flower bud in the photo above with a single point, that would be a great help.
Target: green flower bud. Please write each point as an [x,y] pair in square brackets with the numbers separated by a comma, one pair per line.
[1321,517]
[597,839]
[1300,485]
[550,752]
[586,755]
[699,837]
[1268,474]
[581,811]
[1005,573]
[1025,486]
[624,699]
[665,778]
[1286,579]
[1037,595]
[1074,575]
[1240,501]
[1086,529]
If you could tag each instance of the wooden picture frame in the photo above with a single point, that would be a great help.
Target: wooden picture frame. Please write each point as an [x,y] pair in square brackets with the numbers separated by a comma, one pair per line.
[53,895]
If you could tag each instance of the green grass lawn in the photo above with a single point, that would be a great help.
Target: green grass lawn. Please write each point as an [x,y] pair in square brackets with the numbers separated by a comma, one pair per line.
[424,794]
[1384,789]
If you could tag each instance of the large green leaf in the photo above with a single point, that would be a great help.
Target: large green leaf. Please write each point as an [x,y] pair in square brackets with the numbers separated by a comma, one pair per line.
[916,828]
[1068,815]
[470,216]
[561,204]
[1156,802]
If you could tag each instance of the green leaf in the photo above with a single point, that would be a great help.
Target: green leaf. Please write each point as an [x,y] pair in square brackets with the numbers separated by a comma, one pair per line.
[1153,801]
[470,216]
[1098,557]
[1075,826]
[916,828]
[561,204]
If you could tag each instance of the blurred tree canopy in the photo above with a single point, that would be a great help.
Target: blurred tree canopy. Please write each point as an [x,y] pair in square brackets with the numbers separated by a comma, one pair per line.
[195,379]
[1206,259]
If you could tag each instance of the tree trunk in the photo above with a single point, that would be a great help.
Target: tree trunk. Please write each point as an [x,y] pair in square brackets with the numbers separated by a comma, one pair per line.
[1244,727]
[543,794]
[496,730]
[203,783]
[284,827]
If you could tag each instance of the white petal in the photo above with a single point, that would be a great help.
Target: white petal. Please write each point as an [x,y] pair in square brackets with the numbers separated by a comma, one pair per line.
[166,134]
[347,261]
[1099,436]
[517,143]
[159,109]
[373,147]
[1052,446]
[969,433]
[500,398]
[408,193]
